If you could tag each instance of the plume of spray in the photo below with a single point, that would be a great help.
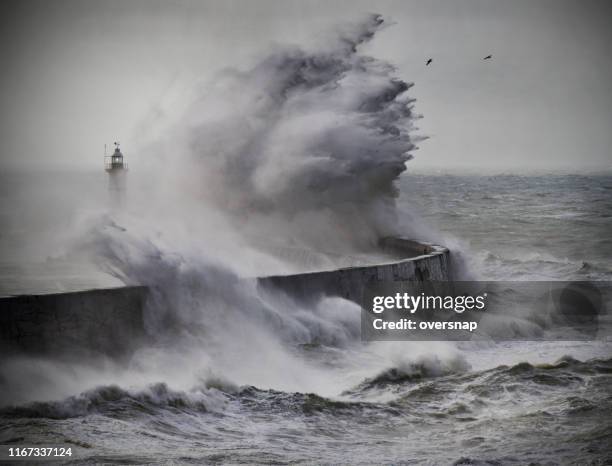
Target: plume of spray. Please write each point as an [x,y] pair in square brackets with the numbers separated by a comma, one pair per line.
[304,148]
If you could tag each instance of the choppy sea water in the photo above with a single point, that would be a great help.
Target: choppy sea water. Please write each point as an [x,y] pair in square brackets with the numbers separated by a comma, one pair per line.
[521,227]
[340,401]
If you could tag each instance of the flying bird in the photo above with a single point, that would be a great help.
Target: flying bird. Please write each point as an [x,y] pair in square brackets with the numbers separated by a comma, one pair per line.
[488,57]
[428,62]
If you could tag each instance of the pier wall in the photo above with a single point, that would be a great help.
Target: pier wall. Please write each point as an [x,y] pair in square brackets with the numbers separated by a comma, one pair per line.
[112,321]
[423,263]
[105,321]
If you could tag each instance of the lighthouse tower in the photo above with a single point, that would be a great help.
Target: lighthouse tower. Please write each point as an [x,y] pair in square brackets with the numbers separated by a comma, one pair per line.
[116,168]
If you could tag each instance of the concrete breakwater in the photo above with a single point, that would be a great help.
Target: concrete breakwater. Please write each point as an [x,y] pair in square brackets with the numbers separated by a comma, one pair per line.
[112,321]
[417,262]
[106,321]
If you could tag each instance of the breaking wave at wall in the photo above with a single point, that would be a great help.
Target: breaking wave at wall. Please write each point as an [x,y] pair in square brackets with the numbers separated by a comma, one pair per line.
[300,151]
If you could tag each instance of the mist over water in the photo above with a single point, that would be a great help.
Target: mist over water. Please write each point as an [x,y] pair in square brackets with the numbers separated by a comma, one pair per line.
[303,153]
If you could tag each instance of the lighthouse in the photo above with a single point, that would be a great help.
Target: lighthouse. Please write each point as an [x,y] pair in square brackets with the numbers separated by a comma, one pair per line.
[116,168]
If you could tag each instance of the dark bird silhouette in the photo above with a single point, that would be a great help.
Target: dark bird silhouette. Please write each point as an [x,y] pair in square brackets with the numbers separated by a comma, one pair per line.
[428,62]
[488,57]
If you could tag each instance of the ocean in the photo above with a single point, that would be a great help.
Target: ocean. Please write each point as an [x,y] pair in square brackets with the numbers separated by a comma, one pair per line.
[260,393]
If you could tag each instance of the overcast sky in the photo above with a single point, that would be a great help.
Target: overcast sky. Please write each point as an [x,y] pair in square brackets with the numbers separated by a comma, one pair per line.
[78,74]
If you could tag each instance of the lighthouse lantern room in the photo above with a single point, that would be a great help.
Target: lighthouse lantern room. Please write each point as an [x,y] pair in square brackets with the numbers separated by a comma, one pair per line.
[114,163]
[116,168]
